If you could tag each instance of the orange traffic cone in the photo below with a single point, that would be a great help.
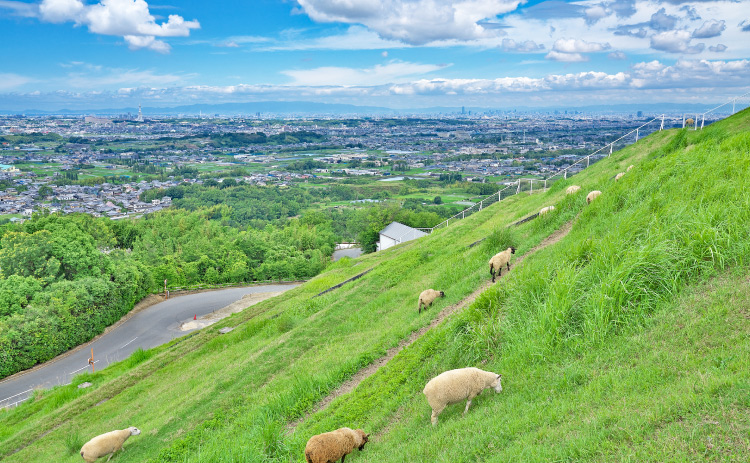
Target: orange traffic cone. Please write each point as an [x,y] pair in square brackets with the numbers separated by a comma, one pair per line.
[195,317]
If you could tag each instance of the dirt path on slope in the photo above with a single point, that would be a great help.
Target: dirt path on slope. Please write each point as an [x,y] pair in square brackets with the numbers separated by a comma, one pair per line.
[369,370]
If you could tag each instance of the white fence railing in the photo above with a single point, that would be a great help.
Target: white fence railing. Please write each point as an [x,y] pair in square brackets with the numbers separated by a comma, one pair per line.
[517,186]
[741,102]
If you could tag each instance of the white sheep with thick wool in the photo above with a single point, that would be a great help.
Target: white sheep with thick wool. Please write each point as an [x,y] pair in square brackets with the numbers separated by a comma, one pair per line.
[546,210]
[619,176]
[592,196]
[499,260]
[427,297]
[107,444]
[572,189]
[454,386]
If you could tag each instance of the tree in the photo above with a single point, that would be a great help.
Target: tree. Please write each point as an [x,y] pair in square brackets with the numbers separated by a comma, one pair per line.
[437,200]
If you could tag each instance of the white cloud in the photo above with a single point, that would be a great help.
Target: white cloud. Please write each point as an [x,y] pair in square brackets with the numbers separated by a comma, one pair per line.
[413,21]
[718,48]
[355,38]
[595,13]
[661,21]
[675,42]
[618,55]
[25,10]
[527,46]
[395,71]
[9,81]
[578,46]
[712,28]
[566,57]
[129,19]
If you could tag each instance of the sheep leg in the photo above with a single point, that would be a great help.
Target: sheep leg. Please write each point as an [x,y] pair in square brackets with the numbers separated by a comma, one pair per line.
[509,266]
[468,402]
[342,458]
[434,418]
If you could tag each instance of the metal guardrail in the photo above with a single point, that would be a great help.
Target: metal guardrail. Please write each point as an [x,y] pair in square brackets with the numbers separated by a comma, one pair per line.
[508,190]
[703,116]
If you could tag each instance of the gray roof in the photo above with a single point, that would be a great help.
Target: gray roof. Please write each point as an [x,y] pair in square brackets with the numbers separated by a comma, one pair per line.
[401,232]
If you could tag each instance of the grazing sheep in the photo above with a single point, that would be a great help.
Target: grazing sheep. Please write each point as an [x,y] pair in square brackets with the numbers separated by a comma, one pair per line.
[454,386]
[546,210]
[689,122]
[330,446]
[572,189]
[427,297]
[592,196]
[499,260]
[629,167]
[107,443]
[619,176]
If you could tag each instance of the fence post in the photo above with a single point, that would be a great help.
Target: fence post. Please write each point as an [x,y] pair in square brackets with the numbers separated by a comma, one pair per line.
[565,174]
[545,183]
[588,160]
[683,121]
[463,214]
[662,123]
[703,121]
[531,191]
[611,146]
[695,123]
[733,101]
[636,135]
[518,190]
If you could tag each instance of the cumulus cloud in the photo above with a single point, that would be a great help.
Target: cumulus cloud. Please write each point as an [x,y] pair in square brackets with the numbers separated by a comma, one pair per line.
[595,13]
[618,55]
[718,48]
[413,21]
[712,28]
[566,57]
[629,32]
[129,19]
[744,26]
[528,46]
[623,8]
[661,21]
[676,42]
[578,46]
[394,71]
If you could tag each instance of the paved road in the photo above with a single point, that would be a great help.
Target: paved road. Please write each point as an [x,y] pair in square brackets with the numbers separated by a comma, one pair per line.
[149,328]
[351,252]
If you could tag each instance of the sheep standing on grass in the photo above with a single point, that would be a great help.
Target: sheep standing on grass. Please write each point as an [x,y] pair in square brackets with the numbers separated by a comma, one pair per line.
[427,297]
[499,260]
[330,446]
[572,189]
[107,443]
[689,122]
[592,196]
[619,176]
[629,167]
[453,386]
[546,210]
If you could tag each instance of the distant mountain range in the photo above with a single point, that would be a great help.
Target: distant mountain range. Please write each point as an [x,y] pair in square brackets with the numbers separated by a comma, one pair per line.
[306,108]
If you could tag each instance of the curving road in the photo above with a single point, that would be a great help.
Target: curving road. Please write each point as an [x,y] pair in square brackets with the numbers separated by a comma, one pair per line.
[149,328]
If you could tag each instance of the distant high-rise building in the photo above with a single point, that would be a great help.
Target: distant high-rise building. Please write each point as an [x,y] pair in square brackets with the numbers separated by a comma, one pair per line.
[640,113]
[140,114]
[463,110]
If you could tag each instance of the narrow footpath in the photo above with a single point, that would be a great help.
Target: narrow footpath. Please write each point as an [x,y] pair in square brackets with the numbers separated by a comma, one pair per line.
[366,372]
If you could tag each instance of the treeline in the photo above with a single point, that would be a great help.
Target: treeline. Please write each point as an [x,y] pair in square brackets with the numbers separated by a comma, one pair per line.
[237,140]
[64,278]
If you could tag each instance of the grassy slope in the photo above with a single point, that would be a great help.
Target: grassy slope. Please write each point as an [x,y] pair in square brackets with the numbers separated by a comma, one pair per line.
[564,329]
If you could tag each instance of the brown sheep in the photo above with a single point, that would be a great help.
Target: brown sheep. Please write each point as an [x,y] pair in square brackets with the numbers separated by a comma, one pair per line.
[330,446]
[427,297]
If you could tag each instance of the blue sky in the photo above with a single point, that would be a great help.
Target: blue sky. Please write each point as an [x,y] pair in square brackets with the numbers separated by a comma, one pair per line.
[400,54]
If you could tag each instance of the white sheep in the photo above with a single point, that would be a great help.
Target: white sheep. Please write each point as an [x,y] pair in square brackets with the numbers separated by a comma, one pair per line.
[629,167]
[572,189]
[453,386]
[592,196]
[619,176]
[499,260]
[330,446]
[107,443]
[546,210]
[427,297]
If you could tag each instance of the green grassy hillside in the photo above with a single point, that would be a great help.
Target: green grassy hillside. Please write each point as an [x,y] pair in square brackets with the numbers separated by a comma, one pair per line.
[627,340]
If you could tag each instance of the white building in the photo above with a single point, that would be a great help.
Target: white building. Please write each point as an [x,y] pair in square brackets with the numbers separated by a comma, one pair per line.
[396,233]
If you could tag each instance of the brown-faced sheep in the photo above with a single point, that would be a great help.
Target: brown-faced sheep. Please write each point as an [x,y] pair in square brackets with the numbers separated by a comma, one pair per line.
[572,189]
[546,210]
[454,386]
[330,446]
[499,260]
[619,176]
[107,443]
[427,297]
[592,196]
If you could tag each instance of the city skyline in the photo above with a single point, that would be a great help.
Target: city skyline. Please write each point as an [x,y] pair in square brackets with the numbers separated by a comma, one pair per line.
[398,54]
